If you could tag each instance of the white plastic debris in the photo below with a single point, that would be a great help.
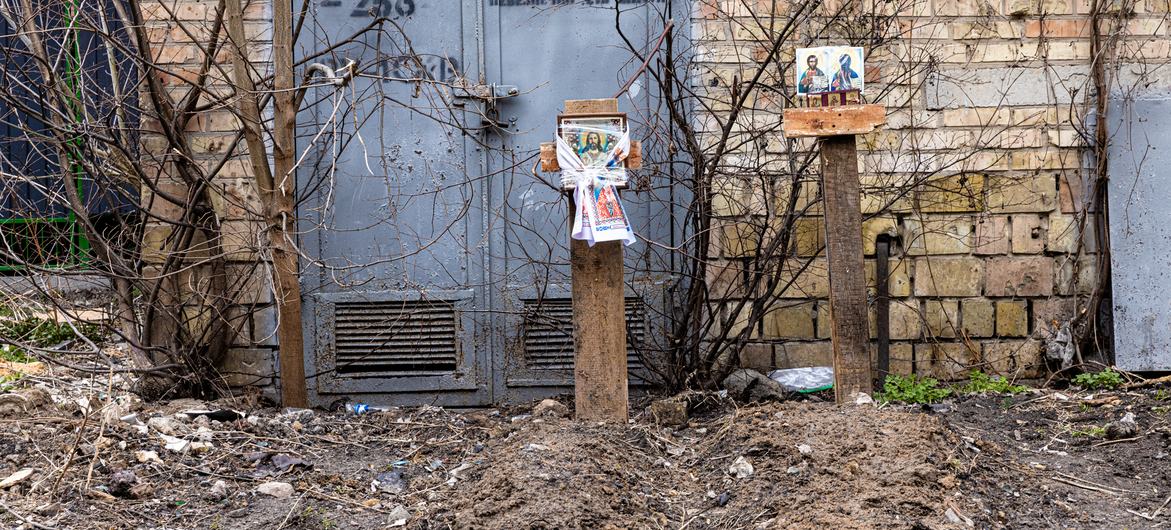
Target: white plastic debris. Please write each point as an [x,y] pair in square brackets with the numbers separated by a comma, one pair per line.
[811,379]
[177,445]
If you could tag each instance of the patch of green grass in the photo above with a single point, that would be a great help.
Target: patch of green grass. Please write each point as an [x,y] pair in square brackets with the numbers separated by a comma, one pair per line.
[13,354]
[981,383]
[1090,432]
[1160,410]
[8,382]
[1162,395]
[912,389]
[1104,380]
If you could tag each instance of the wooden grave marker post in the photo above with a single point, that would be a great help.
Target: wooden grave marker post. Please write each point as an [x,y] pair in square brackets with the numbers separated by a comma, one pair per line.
[599,303]
[837,126]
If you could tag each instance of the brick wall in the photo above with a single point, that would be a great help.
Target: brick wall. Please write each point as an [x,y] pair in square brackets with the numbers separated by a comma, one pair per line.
[980,175]
[180,33]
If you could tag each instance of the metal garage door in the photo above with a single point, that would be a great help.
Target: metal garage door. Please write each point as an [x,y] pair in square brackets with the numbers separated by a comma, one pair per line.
[441,263]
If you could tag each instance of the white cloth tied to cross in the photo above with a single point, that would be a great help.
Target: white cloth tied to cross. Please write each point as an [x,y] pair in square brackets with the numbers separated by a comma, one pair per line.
[599,216]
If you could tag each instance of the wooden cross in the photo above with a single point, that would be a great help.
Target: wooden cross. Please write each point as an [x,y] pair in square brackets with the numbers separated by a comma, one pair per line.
[850,331]
[599,300]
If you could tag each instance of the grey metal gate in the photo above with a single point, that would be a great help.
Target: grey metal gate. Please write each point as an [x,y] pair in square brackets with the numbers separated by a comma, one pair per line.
[1140,241]
[441,270]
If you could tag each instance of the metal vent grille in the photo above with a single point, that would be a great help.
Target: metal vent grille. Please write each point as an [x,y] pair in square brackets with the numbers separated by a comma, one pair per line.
[403,337]
[548,333]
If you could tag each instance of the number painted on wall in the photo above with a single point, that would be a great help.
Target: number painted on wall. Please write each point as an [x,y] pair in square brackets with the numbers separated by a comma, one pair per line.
[377,8]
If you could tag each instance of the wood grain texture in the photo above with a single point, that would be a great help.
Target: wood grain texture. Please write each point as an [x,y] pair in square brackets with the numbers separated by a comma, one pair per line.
[599,312]
[549,157]
[599,330]
[591,106]
[634,158]
[832,121]
[850,330]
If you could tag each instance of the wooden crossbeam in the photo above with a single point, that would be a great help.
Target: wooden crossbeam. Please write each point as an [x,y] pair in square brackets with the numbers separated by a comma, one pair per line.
[849,330]
[833,121]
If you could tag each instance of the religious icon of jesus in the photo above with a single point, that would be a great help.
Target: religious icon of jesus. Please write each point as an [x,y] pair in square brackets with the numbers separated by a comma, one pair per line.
[594,139]
[592,151]
[830,69]
[813,80]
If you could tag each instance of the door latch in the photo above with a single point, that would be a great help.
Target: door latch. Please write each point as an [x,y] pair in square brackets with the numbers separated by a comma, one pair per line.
[490,96]
[486,92]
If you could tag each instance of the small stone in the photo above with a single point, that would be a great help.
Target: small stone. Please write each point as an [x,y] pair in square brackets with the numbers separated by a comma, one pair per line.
[147,457]
[295,414]
[804,449]
[551,408]
[297,426]
[219,491]
[204,434]
[162,424]
[741,468]
[280,490]
[1124,428]
[536,447]
[751,386]
[862,398]
[141,491]
[794,470]
[121,483]
[398,517]
[12,404]
[391,482]
[16,478]
[669,412]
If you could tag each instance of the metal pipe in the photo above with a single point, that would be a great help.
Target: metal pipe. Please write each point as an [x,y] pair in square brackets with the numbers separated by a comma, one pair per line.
[882,305]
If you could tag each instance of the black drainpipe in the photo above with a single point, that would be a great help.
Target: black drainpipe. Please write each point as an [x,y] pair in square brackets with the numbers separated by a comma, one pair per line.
[882,305]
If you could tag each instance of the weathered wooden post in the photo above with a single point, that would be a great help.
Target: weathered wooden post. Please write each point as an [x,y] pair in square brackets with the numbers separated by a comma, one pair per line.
[850,332]
[599,309]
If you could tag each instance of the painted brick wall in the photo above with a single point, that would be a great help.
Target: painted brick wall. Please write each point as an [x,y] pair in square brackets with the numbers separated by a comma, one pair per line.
[179,32]
[980,174]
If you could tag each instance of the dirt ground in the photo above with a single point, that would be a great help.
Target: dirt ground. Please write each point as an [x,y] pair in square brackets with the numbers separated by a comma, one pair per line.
[100,459]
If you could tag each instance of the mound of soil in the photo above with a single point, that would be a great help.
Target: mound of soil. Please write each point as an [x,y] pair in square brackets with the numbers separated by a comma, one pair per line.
[814,465]
[85,457]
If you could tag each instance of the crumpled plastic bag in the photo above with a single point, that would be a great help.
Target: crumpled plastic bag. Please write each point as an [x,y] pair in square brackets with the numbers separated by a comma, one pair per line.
[804,380]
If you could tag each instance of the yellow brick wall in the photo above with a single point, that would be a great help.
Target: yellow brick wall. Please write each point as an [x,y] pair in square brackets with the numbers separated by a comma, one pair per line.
[179,32]
[979,172]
